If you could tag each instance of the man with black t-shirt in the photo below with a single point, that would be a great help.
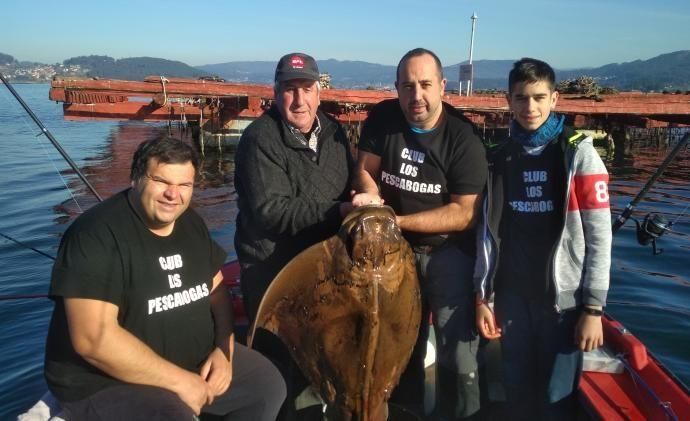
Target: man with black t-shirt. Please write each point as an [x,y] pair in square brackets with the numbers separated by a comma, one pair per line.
[426,161]
[142,326]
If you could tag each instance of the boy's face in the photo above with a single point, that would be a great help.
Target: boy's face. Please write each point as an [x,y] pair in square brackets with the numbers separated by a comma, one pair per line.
[532,103]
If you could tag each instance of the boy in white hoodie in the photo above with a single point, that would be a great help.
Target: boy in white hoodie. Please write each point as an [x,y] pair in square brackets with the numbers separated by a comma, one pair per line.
[544,249]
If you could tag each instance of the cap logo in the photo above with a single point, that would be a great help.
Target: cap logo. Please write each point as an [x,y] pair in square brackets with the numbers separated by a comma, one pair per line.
[296,62]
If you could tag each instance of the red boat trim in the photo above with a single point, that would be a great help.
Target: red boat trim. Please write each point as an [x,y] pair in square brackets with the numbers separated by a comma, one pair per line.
[646,390]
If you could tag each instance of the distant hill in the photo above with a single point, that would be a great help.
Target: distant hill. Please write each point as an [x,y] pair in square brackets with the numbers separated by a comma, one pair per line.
[669,72]
[488,74]
[358,74]
[355,74]
[665,72]
[6,59]
[134,68]
[243,71]
[345,74]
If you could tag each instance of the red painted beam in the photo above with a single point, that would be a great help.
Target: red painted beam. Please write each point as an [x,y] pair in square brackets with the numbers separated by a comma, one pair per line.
[196,89]
[147,112]
[128,111]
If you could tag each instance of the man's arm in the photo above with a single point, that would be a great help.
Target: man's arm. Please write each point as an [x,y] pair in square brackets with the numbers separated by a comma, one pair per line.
[365,190]
[458,215]
[98,338]
[591,191]
[217,370]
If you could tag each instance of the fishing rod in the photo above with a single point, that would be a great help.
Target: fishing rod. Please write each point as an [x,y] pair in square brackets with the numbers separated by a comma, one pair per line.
[27,246]
[50,137]
[71,163]
[24,296]
[657,225]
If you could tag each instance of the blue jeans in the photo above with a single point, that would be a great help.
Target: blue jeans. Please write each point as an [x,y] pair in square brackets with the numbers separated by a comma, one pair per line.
[540,361]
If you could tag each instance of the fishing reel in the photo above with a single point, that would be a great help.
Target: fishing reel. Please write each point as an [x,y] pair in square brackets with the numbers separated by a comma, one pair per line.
[652,227]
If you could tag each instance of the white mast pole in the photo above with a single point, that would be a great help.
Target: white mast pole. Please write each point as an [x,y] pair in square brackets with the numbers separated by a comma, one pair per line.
[474,23]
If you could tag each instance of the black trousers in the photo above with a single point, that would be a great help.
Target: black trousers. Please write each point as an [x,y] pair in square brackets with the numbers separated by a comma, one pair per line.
[255,282]
[256,393]
[445,276]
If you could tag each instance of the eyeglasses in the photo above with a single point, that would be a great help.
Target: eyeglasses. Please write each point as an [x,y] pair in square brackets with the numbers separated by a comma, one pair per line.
[164,184]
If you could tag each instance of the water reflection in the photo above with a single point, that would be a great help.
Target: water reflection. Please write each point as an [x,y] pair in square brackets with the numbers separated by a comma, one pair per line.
[650,293]
[214,194]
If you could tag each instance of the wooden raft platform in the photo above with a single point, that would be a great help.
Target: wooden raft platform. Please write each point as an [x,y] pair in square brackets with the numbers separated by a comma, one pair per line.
[169,99]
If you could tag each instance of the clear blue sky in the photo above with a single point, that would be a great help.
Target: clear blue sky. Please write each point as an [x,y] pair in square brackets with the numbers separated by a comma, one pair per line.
[566,33]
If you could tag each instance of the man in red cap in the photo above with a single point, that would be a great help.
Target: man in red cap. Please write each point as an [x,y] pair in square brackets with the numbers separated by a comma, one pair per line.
[292,175]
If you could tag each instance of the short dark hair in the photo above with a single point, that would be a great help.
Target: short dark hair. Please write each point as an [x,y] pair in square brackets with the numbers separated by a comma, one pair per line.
[167,150]
[531,70]
[416,53]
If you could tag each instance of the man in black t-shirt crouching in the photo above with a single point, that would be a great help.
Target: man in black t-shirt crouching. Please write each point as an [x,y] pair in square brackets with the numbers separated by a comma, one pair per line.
[425,160]
[142,326]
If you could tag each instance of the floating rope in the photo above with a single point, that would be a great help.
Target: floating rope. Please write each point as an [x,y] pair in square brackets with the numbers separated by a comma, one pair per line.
[202,102]
[165,94]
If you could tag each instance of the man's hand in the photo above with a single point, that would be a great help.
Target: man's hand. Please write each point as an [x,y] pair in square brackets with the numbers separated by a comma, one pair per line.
[486,322]
[217,372]
[365,190]
[589,333]
[361,199]
[194,392]
[98,338]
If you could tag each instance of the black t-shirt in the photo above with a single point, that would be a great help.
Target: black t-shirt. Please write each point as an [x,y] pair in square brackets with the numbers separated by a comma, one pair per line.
[161,286]
[534,189]
[419,171]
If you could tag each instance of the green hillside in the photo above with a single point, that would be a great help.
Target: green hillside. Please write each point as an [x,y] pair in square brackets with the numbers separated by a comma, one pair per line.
[134,68]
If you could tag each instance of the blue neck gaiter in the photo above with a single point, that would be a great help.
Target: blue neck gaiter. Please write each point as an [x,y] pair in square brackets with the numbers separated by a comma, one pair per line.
[552,127]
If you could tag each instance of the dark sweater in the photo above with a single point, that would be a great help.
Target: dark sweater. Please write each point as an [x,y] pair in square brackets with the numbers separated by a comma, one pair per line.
[288,195]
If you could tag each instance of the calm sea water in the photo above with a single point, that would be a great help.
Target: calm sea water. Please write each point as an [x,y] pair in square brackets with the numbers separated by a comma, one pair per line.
[649,294]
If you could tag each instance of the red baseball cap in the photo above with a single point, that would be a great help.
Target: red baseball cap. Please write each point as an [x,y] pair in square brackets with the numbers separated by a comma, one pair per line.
[296,66]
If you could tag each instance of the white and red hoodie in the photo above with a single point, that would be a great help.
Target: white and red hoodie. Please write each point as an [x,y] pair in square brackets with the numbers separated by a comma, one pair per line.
[582,256]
